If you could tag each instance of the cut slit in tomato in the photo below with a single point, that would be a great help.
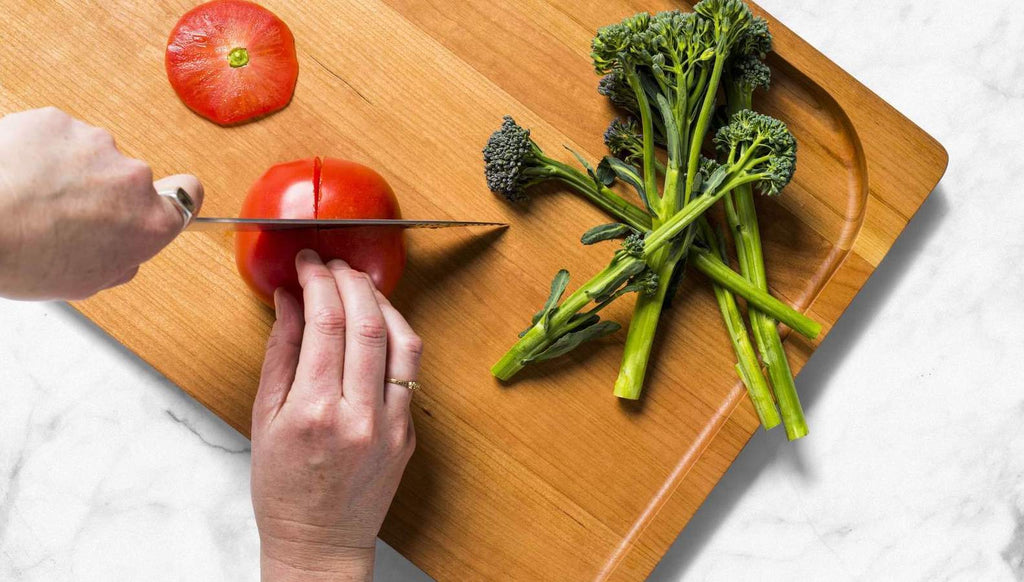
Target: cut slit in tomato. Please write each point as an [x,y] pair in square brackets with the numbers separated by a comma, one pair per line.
[318,166]
[232,61]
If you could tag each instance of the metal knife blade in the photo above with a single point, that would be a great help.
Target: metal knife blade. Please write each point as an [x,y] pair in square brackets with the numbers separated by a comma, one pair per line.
[258,224]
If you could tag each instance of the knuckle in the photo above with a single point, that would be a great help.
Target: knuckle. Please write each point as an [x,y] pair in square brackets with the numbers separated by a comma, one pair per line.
[279,340]
[52,113]
[371,332]
[137,172]
[353,276]
[317,418]
[363,434]
[100,137]
[330,321]
[411,345]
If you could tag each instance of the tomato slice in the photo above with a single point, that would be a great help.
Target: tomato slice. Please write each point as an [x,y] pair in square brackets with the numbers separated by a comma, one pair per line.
[232,61]
[315,188]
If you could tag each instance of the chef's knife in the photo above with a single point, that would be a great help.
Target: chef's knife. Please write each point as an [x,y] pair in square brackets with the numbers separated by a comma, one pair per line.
[201,223]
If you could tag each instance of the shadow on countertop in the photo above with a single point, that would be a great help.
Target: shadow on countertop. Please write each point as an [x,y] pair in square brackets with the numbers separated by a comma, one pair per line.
[764,448]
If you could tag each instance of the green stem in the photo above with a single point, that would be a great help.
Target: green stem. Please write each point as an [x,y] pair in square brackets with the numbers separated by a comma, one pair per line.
[705,262]
[647,128]
[709,264]
[688,214]
[604,198]
[742,217]
[766,331]
[642,329]
[747,365]
[238,57]
[703,121]
[542,335]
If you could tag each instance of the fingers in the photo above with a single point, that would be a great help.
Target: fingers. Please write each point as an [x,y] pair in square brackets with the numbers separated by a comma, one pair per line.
[366,340]
[323,341]
[171,217]
[281,360]
[404,352]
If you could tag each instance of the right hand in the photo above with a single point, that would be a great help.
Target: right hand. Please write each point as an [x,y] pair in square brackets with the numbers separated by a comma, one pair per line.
[77,216]
[330,439]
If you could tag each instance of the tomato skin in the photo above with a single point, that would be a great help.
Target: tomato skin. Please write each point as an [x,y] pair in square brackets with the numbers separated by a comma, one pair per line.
[325,189]
[266,259]
[351,190]
[199,70]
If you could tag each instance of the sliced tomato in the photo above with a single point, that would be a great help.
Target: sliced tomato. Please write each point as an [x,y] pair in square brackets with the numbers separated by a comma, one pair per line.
[312,188]
[232,61]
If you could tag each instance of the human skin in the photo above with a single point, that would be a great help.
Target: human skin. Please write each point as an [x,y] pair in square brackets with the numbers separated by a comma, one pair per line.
[78,216]
[330,440]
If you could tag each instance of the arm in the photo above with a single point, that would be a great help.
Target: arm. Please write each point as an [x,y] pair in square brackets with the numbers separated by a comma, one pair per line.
[76,216]
[330,440]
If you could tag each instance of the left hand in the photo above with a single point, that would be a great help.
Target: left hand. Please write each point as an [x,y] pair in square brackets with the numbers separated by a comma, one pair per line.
[330,439]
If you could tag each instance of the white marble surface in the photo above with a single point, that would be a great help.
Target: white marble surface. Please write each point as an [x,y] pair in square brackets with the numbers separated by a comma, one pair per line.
[914,469]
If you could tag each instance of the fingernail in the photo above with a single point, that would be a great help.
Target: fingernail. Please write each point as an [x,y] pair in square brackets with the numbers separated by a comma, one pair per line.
[277,301]
[309,256]
[337,265]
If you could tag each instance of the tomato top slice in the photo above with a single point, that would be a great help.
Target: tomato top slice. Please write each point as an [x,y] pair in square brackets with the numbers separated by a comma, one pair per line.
[232,61]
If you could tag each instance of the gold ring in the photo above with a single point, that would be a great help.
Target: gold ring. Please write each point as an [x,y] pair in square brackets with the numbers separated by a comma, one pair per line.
[410,384]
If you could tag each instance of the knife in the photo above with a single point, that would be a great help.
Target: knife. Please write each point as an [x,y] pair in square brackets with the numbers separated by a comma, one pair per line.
[257,224]
[182,201]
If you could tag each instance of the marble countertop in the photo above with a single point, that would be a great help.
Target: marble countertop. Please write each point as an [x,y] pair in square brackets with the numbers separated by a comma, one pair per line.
[914,469]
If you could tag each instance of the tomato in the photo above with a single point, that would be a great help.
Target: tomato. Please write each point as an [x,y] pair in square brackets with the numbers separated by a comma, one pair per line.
[232,61]
[315,188]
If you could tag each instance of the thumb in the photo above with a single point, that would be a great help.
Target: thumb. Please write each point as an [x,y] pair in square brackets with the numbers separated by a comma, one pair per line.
[281,360]
[181,197]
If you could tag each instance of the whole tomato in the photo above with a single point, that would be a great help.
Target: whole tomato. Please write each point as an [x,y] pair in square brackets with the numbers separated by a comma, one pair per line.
[325,189]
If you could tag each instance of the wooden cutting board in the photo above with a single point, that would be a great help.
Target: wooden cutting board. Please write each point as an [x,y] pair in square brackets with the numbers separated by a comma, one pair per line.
[549,478]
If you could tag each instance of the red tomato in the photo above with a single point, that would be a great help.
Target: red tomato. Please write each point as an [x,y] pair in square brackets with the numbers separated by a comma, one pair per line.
[315,188]
[232,61]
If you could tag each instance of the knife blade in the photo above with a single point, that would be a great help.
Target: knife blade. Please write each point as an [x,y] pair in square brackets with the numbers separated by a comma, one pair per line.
[201,224]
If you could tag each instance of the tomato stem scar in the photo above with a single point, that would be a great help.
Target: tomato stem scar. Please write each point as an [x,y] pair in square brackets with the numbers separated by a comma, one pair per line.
[238,57]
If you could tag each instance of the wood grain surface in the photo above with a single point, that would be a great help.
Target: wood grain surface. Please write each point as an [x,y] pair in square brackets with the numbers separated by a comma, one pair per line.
[550,477]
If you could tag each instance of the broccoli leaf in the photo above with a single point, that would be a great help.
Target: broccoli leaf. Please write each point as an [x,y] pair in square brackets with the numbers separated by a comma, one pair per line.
[558,286]
[605,173]
[574,339]
[583,161]
[629,174]
[603,232]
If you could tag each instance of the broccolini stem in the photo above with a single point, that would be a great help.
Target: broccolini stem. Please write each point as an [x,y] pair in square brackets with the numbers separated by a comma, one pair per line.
[708,263]
[690,213]
[647,131]
[703,121]
[604,198]
[743,221]
[747,365]
[722,275]
[742,217]
[542,335]
[642,328]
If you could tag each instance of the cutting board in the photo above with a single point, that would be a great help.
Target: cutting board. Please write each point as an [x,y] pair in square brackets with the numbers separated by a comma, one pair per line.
[550,477]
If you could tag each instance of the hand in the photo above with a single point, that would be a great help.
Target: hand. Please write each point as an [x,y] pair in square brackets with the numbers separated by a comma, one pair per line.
[330,439]
[77,216]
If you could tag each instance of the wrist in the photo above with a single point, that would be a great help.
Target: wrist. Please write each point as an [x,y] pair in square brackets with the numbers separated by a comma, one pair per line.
[284,562]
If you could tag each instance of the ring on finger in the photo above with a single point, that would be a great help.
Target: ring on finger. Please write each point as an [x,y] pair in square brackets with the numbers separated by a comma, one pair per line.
[410,384]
